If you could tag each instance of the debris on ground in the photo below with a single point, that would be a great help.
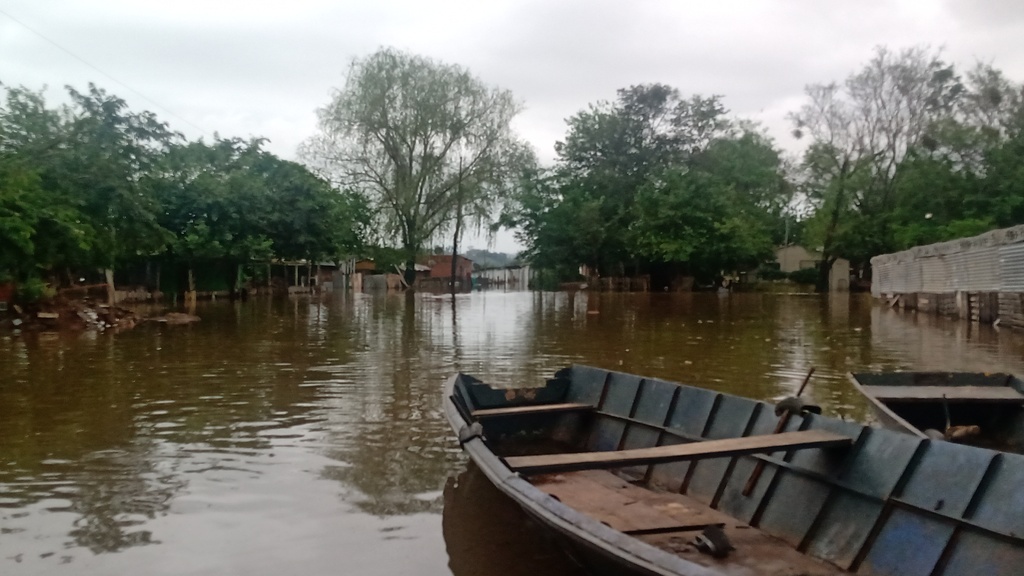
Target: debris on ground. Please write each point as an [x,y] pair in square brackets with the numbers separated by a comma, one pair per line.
[175,318]
[64,314]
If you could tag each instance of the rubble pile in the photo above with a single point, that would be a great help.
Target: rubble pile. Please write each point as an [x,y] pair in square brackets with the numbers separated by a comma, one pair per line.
[62,314]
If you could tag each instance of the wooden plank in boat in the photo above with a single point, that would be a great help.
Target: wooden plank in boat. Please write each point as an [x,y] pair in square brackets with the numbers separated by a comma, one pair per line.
[676,521]
[695,450]
[952,393]
[622,506]
[532,409]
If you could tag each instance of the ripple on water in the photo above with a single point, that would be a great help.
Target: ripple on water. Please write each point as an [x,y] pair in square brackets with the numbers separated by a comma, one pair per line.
[287,432]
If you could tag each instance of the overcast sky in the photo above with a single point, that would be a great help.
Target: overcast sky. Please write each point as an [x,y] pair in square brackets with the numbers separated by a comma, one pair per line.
[251,68]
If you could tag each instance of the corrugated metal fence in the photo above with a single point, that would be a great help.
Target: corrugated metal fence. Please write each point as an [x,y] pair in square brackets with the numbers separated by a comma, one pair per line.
[991,262]
[509,277]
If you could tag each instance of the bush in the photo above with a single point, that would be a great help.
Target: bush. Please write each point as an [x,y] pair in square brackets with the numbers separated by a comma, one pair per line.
[544,279]
[804,276]
[771,273]
[33,290]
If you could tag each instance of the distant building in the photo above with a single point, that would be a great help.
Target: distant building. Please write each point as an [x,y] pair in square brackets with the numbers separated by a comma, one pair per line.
[794,257]
[365,265]
[441,266]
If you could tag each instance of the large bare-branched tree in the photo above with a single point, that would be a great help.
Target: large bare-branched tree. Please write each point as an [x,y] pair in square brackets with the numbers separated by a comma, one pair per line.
[861,131]
[426,141]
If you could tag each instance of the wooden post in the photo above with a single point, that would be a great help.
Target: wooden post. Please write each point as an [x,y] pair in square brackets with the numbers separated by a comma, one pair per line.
[109,274]
[190,295]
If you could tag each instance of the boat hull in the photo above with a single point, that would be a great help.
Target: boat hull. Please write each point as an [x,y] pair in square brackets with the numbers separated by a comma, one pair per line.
[597,548]
[890,503]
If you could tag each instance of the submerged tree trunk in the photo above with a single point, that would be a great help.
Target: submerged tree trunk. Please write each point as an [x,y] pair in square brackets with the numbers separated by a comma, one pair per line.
[827,252]
[109,274]
[232,277]
[410,270]
[455,243]
[824,273]
[190,295]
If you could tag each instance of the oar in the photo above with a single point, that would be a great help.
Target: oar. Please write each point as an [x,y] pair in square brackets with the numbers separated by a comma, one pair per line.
[945,408]
[755,475]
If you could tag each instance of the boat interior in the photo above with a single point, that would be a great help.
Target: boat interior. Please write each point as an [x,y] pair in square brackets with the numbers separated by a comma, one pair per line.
[939,401]
[717,480]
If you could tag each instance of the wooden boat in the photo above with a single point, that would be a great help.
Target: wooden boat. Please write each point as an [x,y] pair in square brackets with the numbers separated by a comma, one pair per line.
[971,408]
[643,476]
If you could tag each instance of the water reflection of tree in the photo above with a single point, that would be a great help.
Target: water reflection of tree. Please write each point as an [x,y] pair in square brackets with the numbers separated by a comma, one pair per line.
[486,533]
[390,435]
[110,427]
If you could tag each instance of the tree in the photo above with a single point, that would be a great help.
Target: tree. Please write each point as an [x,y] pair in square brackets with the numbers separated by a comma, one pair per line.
[612,149]
[43,225]
[235,203]
[92,185]
[110,150]
[407,130]
[479,201]
[718,214]
[861,131]
[654,180]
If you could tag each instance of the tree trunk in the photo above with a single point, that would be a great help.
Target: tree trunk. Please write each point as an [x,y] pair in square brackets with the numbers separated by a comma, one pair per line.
[109,274]
[458,228]
[410,269]
[190,295]
[827,257]
[824,272]
[455,243]
[233,280]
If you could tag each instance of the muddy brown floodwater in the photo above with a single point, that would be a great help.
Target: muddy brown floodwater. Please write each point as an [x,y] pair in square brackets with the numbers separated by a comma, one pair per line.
[305,436]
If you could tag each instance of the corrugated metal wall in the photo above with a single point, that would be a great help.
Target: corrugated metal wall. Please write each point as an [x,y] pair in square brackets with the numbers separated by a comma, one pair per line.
[991,262]
[1011,263]
[935,275]
[882,276]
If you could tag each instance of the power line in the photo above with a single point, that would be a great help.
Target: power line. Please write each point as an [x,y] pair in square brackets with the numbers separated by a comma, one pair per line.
[97,69]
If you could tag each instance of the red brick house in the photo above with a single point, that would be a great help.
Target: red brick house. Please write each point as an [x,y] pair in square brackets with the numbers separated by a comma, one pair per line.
[441,266]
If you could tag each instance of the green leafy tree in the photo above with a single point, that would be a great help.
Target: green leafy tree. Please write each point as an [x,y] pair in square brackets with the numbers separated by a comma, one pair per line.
[719,214]
[308,218]
[407,130]
[653,180]
[110,150]
[214,204]
[612,149]
[43,225]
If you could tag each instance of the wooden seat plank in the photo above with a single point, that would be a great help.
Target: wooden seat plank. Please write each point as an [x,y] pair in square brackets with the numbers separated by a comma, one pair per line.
[531,409]
[692,451]
[952,393]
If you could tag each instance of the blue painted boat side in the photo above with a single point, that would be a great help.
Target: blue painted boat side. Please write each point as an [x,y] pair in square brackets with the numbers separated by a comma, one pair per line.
[894,503]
